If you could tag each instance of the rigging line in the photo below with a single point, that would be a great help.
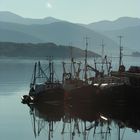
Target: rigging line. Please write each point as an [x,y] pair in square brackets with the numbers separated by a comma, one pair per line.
[46,68]
[41,125]
[123,134]
[57,126]
[82,127]
[55,74]
[45,129]
[88,134]
[43,73]
[33,122]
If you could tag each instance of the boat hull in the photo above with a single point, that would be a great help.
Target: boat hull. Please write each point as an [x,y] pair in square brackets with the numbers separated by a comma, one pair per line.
[49,95]
[85,94]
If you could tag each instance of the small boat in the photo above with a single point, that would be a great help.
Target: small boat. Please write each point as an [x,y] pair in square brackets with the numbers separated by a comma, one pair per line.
[132,75]
[44,87]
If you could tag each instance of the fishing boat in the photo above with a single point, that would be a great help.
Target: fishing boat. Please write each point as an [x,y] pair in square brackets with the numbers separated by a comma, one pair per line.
[132,75]
[44,86]
[77,88]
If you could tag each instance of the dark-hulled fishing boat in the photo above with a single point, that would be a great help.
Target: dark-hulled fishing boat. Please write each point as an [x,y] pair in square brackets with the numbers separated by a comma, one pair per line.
[76,88]
[44,87]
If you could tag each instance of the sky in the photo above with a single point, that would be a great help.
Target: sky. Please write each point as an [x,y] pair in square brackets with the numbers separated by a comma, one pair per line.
[77,11]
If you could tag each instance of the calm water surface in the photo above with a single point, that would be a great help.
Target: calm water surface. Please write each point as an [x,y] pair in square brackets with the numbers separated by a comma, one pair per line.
[21,122]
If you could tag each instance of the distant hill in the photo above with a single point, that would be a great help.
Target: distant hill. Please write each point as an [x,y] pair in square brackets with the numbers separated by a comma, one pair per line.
[6,16]
[120,23]
[14,28]
[42,50]
[131,37]
[136,54]
[17,36]
[64,33]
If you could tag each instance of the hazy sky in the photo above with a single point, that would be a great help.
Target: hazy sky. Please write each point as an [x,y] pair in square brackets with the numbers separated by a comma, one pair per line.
[84,11]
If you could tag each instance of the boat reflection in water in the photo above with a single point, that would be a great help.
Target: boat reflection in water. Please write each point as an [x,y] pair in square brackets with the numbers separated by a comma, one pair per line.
[82,121]
[44,116]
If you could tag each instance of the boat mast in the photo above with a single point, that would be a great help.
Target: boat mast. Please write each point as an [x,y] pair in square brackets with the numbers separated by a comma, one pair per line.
[52,73]
[108,65]
[73,69]
[86,59]
[78,70]
[71,55]
[51,70]
[95,64]
[121,49]
[102,45]
[39,70]
[34,75]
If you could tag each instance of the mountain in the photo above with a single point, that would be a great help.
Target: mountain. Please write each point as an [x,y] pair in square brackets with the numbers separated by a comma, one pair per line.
[64,33]
[131,37]
[15,28]
[42,50]
[6,16]
[120,23]
[128,27]
[16,36]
